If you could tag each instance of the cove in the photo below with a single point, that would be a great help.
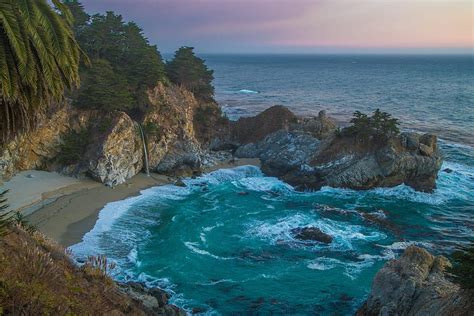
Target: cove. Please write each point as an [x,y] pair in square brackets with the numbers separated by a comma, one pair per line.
[224,243]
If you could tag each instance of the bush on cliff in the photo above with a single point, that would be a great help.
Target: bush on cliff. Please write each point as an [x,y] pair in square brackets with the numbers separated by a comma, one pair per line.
[73,147]
[191,72]
[378,127]
[104,89]
[463,266]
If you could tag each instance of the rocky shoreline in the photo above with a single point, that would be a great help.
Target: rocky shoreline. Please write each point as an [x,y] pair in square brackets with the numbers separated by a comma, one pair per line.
[308,153]
[417,283]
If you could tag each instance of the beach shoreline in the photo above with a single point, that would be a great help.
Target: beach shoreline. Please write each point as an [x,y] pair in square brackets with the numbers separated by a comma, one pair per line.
[65,211]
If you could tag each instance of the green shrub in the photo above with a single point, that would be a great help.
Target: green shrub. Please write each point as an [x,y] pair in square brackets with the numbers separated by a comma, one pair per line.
[379,127]
[5,215]
[187,70]
[152,129]
[73,147]
[463,266]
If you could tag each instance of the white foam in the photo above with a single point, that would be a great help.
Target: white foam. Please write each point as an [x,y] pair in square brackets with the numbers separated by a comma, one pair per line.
[351,269]
[133,257]
[343,234]
[194,248]
[247,91]
[264,184]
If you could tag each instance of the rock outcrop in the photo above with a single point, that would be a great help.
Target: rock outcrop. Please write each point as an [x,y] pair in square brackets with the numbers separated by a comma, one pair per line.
[416,284]
[113,149]
[34,150]
[310,154]
[117,156]
[154,300]
[169,125]
[311,234]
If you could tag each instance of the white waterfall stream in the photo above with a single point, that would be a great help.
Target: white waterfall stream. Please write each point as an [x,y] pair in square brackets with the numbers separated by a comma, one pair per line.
[145,151]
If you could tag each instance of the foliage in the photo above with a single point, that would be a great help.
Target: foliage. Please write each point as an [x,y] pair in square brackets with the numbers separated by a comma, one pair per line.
[74,146]
[378,127]
[98,267]
[20,220]
[152,129]
[104,89]
[132,60]
[463,266]
[39,59]
[191,72]
[5,215]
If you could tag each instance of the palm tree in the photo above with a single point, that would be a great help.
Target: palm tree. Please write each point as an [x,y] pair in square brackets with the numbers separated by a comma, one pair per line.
[39,59]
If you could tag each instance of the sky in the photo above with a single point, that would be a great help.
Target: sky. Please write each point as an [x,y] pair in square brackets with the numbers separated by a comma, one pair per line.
[301,26]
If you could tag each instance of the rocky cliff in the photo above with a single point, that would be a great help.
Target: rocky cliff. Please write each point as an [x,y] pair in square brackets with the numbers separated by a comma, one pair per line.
[108,146]
[311,153]
[305,152]
[417,284]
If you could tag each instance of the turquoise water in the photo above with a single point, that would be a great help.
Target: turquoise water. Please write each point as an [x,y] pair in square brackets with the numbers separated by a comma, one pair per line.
[223,243]
[227,252]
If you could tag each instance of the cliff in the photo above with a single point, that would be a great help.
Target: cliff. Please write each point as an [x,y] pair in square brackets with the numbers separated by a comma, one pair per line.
[107,146]
[417,284]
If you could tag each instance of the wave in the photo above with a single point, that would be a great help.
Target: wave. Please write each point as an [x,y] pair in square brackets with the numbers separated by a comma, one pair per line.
[351,269]
[194,248]
[343,233]
[247,91]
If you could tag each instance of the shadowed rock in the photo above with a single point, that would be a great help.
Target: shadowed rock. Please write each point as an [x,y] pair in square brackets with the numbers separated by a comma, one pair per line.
[311,234]
[416,284]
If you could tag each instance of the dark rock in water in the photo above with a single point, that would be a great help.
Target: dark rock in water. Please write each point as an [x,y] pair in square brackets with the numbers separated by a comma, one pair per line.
[312,234]
[447,170]
[154,300]
[380,219]
[198,310]
[180,183]
[243,193]
[416,284]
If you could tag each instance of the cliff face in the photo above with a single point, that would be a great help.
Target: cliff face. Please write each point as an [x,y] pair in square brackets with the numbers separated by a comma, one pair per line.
[169,127]
[35,149]
[108,146]
[416,284]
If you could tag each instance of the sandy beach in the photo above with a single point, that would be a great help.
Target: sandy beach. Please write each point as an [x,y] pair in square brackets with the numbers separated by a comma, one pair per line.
[65,208]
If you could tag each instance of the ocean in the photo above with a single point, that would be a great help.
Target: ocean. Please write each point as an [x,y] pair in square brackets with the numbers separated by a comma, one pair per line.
[222,252]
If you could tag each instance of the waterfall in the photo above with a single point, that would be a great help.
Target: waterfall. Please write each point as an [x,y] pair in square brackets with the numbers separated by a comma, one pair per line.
[145,151]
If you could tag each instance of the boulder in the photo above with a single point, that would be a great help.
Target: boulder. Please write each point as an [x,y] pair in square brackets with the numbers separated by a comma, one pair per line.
[319,127]
[416,284]
[153,299]
[253,129]
[119,155]
[311,234]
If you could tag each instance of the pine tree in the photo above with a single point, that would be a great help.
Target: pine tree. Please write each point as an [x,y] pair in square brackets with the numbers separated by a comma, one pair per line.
[191,72]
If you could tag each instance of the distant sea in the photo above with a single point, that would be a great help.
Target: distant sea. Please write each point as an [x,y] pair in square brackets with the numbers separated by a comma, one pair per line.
[427,93]
[221,252]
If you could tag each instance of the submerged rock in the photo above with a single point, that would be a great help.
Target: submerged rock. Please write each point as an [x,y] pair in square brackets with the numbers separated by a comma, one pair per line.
[311,234]
[416,284]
